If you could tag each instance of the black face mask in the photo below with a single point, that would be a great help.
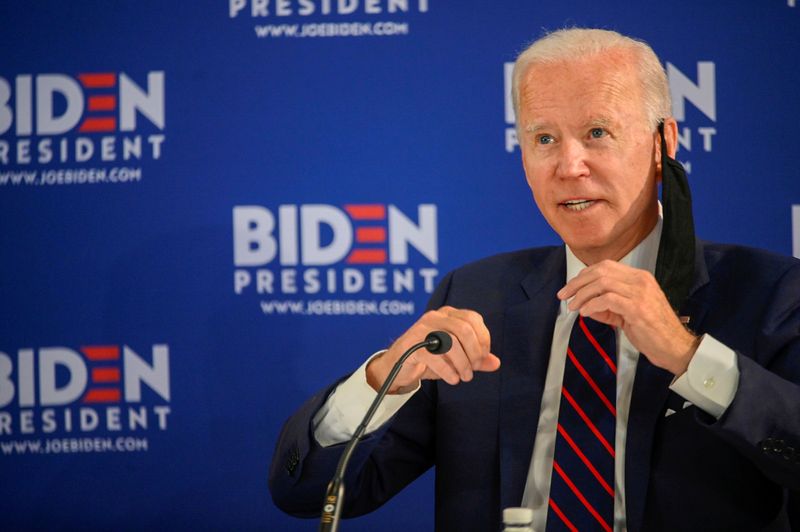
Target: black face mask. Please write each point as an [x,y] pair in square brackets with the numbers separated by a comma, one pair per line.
[675,263]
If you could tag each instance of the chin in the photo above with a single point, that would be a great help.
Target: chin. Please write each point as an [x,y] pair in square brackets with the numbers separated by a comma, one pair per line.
[586,238]
[591,245]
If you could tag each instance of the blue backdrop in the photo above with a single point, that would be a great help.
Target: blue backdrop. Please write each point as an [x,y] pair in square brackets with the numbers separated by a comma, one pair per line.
[209,210]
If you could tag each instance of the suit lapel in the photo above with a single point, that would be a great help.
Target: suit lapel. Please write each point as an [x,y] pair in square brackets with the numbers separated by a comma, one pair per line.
[527,338]
[650,392]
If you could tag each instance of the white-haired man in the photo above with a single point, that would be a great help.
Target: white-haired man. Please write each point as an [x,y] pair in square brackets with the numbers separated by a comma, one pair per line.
[698,406]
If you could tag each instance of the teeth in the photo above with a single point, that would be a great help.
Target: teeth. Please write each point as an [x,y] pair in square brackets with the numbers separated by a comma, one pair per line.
[577,205]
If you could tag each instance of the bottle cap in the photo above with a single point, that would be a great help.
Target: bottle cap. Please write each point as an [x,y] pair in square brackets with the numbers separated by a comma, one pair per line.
[517,516]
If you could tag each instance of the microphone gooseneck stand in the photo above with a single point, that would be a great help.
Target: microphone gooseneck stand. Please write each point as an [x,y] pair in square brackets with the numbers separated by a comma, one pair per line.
[437,342]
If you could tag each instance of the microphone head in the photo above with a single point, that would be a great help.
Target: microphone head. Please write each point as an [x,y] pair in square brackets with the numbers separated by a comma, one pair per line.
[439,342]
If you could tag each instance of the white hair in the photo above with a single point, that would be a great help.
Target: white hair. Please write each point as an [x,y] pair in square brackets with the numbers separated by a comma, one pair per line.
[578,43]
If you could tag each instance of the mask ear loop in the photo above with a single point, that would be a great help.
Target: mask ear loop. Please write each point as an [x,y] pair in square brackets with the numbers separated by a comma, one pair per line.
[676,250]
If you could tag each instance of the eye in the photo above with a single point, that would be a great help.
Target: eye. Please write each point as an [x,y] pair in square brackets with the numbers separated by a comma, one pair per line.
[597,132]
[545,139]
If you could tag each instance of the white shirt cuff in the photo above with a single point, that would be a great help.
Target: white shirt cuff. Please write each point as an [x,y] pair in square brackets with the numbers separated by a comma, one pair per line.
[712,378]
[337,420]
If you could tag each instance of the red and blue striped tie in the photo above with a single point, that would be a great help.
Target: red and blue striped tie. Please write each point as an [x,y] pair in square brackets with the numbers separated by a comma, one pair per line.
[582,483]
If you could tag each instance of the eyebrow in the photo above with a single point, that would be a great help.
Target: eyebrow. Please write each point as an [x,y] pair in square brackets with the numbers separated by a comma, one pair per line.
[534,127]
[602,121]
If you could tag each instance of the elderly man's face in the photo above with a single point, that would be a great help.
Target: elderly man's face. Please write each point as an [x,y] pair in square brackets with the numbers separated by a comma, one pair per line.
[589,154]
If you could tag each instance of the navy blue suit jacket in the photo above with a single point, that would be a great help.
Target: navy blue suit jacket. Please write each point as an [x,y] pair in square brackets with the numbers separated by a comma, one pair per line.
[687,471]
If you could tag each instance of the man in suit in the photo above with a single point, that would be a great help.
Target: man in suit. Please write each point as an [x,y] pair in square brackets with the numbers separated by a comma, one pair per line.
[706,433]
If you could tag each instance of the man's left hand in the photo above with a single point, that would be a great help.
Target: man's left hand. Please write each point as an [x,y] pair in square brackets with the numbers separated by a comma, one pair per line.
[629,298]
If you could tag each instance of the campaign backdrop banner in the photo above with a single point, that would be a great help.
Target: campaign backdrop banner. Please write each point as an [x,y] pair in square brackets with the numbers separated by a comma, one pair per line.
[211,210]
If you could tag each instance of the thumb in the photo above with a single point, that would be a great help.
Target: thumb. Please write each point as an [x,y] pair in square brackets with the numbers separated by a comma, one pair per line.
[489,363]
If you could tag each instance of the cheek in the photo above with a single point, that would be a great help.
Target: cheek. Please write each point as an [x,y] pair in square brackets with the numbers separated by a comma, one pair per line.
[645,155]
[536,183]
[640,186]
[536,172]
[539,188]
[540,174]
[639,171]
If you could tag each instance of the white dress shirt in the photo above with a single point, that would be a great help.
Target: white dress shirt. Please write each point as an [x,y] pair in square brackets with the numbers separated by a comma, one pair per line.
[710,383]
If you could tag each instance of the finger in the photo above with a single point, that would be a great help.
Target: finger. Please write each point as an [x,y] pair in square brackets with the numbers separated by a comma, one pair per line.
[607,276]
[431,368]
[438,369]
[463,339]
[609,303]
[479,330]
[470,334]
[442,367]
[489,363]
[601,286]
[584,277]
[465,348]
[478,325]
[609,318]
[471,341]
[590,274]
[416,370]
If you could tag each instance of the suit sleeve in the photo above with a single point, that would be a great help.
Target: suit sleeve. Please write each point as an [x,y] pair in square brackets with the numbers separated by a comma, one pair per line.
[763,421]
[382,464]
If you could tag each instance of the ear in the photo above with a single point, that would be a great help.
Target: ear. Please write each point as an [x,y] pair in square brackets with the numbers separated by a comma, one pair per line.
[671,138]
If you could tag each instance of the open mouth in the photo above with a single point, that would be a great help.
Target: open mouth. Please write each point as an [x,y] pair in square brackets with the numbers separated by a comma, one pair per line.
[577,205]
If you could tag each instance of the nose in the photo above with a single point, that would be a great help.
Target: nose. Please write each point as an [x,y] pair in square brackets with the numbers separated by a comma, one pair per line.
[572,160]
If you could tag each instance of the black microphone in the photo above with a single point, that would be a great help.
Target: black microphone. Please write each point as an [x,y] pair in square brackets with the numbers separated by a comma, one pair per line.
[437,342]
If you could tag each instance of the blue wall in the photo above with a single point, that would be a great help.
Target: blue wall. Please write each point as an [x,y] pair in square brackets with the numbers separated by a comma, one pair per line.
[118,272]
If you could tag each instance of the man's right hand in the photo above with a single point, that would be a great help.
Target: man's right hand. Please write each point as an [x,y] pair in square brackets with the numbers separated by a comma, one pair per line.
[470,351]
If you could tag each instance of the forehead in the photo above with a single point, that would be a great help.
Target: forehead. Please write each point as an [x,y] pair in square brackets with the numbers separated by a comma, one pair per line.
[604,85]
